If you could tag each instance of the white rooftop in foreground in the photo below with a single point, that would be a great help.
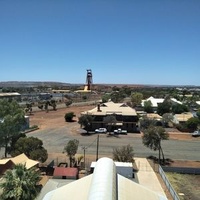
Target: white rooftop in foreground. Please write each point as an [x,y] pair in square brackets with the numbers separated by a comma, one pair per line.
[103,184]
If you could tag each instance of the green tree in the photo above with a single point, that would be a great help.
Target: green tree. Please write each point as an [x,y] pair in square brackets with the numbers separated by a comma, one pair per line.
[29,108]
[20,183]
[152,138]
[136,98]
[116,97]
[84,97]
[198,113]
[179,108]
[14,140]
[192,123]
[71,149]
[148,107]
[166,119]
[32,147]
[68,102]
[52,103]
[110,121]
[123,154]
[146,122]
[164,107]
[126,90]
[12,121]
[85,121]
[48,103]
[69,116]
[106,97]
[46,106]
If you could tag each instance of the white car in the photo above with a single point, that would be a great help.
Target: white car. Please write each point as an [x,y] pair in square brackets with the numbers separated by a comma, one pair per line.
[120,131]
[101,130]
[196,133]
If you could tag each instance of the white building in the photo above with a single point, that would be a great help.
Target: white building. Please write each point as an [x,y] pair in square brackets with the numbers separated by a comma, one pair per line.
[103,184]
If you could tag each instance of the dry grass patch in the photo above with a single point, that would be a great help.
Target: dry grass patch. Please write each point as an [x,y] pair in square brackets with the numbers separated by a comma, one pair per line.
[187,186]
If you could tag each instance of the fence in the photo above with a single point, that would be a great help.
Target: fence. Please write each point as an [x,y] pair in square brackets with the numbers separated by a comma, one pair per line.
[182,170]
[168,184]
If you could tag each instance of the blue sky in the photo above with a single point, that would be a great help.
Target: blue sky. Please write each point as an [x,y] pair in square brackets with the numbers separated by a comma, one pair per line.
[123,42]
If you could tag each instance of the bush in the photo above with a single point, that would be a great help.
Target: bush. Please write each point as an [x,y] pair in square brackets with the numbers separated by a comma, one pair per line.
[69,116]
[182,127]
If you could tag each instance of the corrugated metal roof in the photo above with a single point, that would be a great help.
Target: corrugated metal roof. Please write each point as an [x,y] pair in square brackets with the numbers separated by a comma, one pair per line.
[198,102]
[156,101]
[9,94]
[153,116]
[21,159]
[112,108]
[65,171]
[183,117]
[4,161]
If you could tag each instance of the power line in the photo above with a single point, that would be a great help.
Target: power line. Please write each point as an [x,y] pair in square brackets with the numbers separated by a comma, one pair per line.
[91,144]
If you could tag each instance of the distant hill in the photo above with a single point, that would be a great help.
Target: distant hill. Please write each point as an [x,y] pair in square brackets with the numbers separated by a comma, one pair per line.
[18,84]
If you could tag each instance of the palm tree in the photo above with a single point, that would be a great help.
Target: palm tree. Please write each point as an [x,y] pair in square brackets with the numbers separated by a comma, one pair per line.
[20,183]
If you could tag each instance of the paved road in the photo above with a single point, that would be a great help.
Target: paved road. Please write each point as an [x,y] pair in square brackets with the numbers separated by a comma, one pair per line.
[55,139]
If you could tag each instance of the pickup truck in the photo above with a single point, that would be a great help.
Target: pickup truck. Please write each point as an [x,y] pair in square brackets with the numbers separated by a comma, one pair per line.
[120,131]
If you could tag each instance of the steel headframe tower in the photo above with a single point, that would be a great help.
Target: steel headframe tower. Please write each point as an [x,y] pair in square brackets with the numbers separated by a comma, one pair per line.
[89,79]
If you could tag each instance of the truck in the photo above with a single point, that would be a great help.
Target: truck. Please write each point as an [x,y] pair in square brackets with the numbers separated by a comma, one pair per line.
[120,131]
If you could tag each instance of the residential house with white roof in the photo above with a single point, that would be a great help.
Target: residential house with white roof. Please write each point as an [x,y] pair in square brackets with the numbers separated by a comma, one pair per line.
[156,101]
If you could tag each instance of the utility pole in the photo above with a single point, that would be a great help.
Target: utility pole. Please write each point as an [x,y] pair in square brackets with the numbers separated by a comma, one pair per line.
[97,147]
[84,148]
[159,140]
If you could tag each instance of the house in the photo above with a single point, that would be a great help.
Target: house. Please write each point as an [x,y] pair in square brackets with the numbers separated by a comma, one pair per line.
[8,163]
[5,164]
[103,184]
[65,172]
[156,101]
[182,118]
[126,117]
[198,103]
[154,116]
[10,96]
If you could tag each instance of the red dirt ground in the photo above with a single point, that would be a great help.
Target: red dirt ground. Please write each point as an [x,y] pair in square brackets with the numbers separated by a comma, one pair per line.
[56,118]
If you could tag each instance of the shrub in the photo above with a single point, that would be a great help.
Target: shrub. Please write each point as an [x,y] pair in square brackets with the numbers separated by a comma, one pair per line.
[69,116]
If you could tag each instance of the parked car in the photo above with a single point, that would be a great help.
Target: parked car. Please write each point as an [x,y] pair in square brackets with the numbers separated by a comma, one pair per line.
[120,131]
[196,134]
[101,130]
